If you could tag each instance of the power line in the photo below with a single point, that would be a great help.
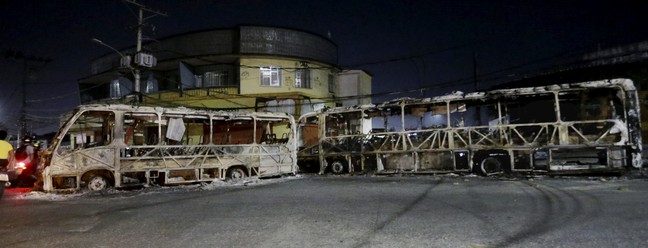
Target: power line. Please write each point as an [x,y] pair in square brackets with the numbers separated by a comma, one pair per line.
[482,76]
[376,94]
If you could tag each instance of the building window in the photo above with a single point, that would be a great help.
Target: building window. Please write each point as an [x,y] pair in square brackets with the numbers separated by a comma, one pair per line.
[331,83]
[120,87]
[115,90]
[302,78]
[215,78]
[270,76]
[151,84]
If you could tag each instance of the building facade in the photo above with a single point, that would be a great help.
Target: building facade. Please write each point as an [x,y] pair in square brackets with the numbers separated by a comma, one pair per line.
[354,88]
[246,67]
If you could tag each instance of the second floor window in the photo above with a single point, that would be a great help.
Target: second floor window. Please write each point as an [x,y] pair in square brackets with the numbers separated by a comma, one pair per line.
[270,76]
[302,78]
[215,78]
[331,83]
[115,89]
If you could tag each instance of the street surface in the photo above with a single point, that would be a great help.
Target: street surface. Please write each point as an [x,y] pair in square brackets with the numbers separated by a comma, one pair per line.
[338,211]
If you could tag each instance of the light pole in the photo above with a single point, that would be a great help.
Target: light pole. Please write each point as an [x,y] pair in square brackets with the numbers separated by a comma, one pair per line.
[140,59]
[125,61]
[139,49]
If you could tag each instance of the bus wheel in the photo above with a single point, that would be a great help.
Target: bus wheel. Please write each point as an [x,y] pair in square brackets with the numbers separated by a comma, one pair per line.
[236,173]
[97,182]
[491,166]
[2,188]
[337,167]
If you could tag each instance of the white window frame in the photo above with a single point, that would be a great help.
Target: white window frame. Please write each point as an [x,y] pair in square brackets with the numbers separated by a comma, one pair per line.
[270,76]
[303,82]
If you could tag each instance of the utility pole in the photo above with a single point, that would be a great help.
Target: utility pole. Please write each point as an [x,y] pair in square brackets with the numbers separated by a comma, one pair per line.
[29,62]
[142,59]
[474,62]
[22,123]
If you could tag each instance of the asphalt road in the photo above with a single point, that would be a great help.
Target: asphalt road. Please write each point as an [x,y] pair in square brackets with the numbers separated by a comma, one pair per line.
[348,211]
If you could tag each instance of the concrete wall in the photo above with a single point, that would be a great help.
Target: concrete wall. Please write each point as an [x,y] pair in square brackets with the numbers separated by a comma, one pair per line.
[353,84]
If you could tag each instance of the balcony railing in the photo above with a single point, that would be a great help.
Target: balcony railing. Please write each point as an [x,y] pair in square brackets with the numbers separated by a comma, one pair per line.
[220,91]
[196,93]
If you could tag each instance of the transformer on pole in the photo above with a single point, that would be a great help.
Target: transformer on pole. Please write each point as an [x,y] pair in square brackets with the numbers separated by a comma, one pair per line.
[142,59]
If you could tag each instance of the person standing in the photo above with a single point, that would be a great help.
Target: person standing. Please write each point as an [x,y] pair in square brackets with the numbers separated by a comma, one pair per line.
[6,152]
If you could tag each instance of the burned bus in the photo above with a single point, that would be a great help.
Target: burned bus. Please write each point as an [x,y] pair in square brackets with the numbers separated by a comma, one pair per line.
[102,146]
[566,128]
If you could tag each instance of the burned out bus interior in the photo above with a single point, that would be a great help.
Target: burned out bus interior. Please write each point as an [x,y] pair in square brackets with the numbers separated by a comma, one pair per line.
[542,129]
[91,129]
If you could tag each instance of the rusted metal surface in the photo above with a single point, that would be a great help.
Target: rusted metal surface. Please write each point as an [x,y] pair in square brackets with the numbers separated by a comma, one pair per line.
[122,144]
[584,127]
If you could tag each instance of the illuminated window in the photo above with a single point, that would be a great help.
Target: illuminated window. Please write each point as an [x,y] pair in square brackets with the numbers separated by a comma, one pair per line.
[270,76]
[302,78]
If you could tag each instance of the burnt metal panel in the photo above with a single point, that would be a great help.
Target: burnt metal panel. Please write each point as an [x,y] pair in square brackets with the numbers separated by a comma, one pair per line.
[143,163]
[569,128]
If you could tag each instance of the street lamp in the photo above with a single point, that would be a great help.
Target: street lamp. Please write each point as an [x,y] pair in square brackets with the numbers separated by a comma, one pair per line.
[95,40]
[125,62]
[141,59]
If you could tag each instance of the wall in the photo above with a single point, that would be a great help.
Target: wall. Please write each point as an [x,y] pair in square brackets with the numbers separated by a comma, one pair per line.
[353,83]
[251,82]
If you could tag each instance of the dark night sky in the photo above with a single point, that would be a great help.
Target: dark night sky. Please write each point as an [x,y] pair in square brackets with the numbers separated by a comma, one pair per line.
[404,44]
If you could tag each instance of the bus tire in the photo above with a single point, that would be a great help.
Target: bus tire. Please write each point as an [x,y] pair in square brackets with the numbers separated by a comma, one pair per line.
[337,167]
[236,172]
[97,182]
[491,166]
[2,189]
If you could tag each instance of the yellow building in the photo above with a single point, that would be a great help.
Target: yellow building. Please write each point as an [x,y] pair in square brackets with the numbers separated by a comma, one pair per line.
[246,67]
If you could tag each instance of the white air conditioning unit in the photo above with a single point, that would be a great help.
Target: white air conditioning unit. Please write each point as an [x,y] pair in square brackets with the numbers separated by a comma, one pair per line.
[146,60]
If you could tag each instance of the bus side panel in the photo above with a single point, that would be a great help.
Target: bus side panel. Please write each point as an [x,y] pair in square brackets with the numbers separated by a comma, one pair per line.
[436,161]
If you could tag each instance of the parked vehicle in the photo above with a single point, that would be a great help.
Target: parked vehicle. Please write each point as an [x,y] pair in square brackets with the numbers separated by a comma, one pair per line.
[25,174]
[102,146]
[6,174]
[26,158]
[4,180]
[588,127]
